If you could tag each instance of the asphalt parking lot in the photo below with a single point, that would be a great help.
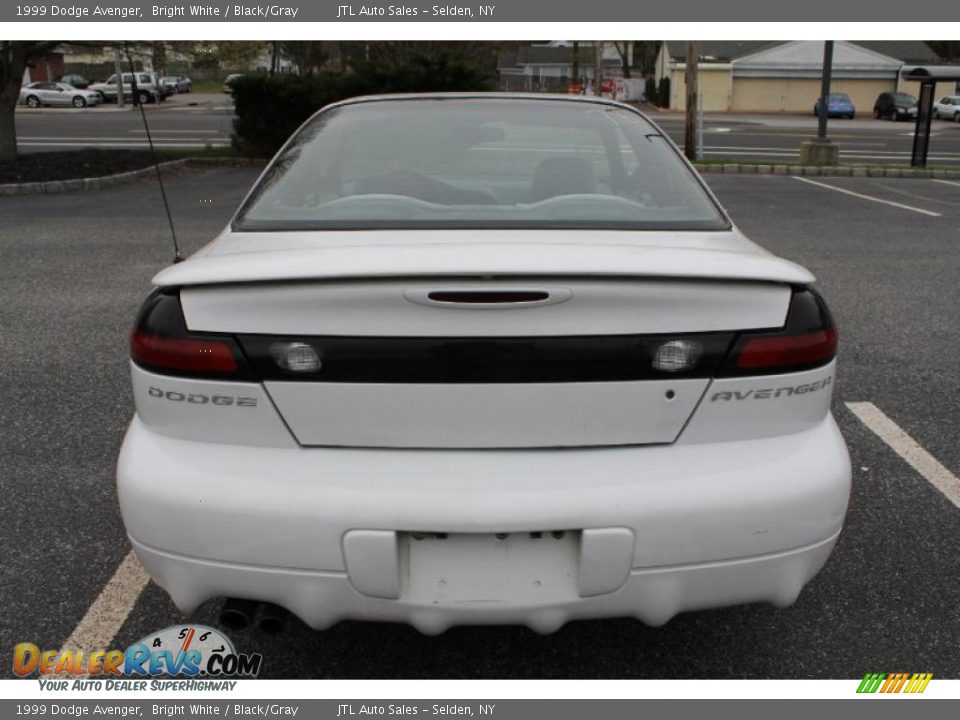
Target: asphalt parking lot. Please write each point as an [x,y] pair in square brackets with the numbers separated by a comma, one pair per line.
[75,267]
[198,120]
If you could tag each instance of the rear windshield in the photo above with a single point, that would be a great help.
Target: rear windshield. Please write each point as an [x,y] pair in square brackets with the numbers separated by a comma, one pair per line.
[479,163]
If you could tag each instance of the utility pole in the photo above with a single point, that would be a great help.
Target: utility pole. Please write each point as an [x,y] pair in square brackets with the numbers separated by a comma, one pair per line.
[693,100]
[819,150]
[118,71]
[576,62]
[825,90]
[597,67]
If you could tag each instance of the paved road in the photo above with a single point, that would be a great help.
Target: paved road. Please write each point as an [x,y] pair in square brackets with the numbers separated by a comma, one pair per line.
[75,267]
[178,123]
[191,120]
[777,138]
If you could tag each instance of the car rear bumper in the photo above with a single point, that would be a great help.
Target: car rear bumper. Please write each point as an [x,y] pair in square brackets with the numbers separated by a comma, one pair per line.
[653,595]
[335,534]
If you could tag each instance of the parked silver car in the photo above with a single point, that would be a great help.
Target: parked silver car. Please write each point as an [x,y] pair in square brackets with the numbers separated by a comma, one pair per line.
[948,108]
[57,93]
[148,89]
[177,83]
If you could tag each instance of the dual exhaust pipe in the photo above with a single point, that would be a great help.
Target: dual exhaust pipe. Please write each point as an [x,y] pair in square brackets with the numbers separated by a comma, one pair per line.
[238,614]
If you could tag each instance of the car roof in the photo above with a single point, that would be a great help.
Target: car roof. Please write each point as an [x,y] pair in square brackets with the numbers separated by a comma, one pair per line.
[493,96]
[484,96]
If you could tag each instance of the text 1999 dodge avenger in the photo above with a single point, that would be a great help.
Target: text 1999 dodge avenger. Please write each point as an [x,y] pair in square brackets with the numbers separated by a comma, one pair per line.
[465,359]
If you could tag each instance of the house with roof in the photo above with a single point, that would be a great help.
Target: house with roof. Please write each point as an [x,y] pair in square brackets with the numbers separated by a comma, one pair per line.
[784,77]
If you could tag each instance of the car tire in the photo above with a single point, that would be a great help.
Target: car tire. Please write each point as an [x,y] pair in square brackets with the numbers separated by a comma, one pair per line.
[143,98]
[956,116]
[79,102]
[876,114]
[33,101]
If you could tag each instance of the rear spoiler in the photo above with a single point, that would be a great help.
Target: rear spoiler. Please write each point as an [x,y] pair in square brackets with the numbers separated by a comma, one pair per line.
[475,259]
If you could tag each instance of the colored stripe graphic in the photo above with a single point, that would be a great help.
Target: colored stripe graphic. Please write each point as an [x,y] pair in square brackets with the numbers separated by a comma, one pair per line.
[870,682]
[894,683]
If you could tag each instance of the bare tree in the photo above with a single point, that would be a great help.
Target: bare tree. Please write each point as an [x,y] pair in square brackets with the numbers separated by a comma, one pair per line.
[623,50]
[308,55]
[576,62]
[14,56]
[159,57]
[645,55]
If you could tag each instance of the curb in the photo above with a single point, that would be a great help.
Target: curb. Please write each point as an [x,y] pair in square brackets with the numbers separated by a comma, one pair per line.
[124,178]
[827,171]
[98,183]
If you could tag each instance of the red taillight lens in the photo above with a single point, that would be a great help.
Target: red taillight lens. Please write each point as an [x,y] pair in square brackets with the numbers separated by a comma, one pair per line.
[809,348]
[205,356]
[807,340]
[161,343]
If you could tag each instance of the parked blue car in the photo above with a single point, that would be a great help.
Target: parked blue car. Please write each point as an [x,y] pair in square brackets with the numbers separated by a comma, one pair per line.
[838,105]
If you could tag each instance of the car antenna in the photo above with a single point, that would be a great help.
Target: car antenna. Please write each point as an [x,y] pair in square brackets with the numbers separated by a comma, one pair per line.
[177,257]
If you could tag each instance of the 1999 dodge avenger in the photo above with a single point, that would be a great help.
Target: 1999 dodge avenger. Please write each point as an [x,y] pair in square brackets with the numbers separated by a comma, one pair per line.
[466,359]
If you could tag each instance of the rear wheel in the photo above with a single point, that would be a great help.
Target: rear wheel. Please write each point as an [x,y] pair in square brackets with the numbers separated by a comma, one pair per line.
[956,116]
[79,102]
[876,114]
[33,101]
[143,98]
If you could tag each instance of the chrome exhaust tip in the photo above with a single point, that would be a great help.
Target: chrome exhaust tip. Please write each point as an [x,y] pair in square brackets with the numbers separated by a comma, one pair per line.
[237,613]
[273,619]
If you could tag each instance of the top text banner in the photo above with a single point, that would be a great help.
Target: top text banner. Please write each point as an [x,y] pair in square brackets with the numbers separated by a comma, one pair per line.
[701,11]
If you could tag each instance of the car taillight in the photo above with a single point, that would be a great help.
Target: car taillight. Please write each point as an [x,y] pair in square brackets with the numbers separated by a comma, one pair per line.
[807,340]
[161,343]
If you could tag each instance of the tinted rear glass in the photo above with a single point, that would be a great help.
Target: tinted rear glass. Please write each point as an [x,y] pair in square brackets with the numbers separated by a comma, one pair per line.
[479,163]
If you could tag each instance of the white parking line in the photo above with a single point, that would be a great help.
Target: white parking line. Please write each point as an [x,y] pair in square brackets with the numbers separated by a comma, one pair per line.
[105,139]
[111,608]
[868,197]
[132,143]
[948,182]
[158,131]
[908,448]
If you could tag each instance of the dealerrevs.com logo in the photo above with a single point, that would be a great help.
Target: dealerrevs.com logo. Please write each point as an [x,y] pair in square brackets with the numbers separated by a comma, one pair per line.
[180,651]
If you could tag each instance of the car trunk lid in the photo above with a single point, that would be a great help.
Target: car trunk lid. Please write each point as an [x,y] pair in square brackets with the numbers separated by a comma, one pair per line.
[462,346]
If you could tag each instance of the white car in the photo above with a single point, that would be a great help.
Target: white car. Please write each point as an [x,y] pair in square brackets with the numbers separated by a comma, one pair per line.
[37,94]
[948,108]
[483,359]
